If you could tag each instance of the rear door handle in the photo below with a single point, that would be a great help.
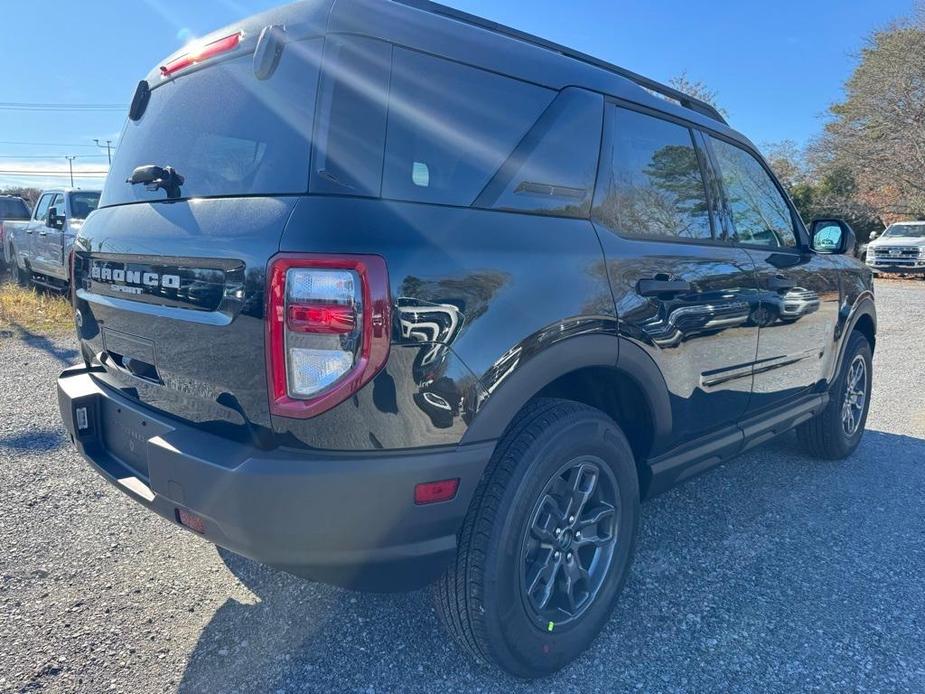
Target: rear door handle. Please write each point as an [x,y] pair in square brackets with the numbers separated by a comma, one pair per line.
[661,287]
[43,233]
[780,284]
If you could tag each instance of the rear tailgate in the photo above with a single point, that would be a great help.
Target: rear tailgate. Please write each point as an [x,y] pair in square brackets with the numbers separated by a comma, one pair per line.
[171,301]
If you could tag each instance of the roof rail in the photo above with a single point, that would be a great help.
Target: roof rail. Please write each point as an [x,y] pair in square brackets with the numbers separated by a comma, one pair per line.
[687,101]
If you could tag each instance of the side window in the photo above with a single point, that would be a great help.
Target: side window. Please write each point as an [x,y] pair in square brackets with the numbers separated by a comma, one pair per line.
[650,183]
[451,127]
[41,210]
[553,168]
[760,214]
[58,204]
[350,128]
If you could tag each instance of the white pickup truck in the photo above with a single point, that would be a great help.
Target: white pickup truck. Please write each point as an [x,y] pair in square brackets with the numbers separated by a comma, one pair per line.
[38,248]
[901,249]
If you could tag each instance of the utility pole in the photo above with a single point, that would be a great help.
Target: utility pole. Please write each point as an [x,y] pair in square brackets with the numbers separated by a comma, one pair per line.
[70,163]
[107,145]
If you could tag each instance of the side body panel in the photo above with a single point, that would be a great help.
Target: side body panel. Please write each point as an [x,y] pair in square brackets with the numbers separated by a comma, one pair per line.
[474,293]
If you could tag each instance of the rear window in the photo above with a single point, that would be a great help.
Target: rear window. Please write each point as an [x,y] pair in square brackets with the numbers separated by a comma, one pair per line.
[225,131]
[83,203]
[13,208]
[451,127]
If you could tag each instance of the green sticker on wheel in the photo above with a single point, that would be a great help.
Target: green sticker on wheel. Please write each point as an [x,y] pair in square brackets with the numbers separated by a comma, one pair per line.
[550,626]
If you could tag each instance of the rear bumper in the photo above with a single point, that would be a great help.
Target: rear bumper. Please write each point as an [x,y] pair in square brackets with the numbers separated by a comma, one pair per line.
[343,518]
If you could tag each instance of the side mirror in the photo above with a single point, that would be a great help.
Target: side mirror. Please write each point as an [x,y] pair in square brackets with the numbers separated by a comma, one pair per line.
[55,221]
[833,237]
[874,235]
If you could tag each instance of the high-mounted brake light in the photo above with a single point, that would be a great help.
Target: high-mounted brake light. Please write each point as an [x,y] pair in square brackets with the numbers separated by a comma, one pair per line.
[328,329]
[209,50]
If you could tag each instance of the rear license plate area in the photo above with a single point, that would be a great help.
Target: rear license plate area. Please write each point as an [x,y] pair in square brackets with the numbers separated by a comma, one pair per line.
[125,436]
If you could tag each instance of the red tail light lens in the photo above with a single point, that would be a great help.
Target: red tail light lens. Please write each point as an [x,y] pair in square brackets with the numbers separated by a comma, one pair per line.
[210,50]
[328,329]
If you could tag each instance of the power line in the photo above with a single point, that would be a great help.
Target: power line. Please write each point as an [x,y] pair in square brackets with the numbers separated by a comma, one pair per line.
[48,156]
[65,174]
[45,144]
[38,106]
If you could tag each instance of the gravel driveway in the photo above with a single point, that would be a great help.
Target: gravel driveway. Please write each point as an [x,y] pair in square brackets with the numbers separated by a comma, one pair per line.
[773,573]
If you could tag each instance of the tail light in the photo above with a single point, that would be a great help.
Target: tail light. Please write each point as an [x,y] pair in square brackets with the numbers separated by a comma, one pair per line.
[328,329]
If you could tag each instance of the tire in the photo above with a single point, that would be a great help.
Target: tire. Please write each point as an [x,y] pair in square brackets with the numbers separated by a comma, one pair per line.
[23,277]
[829,435]
[552,447]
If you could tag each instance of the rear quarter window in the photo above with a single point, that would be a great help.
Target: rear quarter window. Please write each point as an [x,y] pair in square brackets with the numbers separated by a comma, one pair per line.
[13,208]
[450,127]
[225,131]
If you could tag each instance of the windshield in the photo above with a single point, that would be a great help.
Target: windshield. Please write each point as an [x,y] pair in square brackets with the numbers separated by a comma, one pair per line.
[83,203]
[906,231]
[13,208]
[224,131]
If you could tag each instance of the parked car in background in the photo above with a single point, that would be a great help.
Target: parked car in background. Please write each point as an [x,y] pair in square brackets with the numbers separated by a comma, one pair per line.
[38,248]
[14,211]
[900,249]
[384,294]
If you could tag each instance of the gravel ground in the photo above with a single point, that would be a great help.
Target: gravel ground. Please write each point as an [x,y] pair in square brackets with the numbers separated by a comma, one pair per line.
[772,573]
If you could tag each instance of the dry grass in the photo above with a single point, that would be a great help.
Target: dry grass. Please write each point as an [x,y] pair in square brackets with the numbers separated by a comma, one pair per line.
[33,311]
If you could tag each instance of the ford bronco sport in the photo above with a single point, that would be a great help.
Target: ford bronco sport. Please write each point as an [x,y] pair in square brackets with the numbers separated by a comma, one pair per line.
[384,295]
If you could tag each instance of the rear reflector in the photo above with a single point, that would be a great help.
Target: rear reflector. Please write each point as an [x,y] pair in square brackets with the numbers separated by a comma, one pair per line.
[191,521]
[210,50]
[434,492]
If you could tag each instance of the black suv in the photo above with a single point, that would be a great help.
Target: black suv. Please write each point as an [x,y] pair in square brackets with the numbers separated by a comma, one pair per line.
[383,294]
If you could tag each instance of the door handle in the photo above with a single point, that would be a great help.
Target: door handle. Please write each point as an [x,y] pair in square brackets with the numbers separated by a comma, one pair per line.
[655,287]
[780,284]
[28,231]
[43,233]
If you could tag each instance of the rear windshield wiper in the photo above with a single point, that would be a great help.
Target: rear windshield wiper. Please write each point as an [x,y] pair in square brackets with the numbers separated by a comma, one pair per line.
[154,177]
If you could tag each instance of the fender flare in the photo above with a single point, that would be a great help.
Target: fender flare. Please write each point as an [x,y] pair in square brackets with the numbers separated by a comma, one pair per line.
[560,359]
[864,306]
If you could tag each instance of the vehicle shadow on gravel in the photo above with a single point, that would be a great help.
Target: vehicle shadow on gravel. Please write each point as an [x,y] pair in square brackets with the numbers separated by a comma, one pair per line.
[758,571]
[40,441]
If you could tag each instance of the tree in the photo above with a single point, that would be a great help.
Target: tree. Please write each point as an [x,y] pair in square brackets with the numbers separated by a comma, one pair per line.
[876,135]
[698,90]
[30,195]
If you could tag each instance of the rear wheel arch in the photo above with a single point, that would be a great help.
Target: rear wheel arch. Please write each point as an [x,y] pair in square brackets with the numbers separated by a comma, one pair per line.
[606,372]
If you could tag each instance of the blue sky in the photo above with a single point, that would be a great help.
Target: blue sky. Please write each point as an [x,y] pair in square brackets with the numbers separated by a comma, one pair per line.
[776,66]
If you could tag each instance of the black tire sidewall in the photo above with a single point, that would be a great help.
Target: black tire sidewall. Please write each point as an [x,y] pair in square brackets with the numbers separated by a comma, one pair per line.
[514,639]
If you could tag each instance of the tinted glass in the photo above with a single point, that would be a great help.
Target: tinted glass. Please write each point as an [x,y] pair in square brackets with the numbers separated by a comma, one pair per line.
[352,108]
[225,131]
[451,127]
[13,208]
[651,182]
[41,210]
[552,170]
[760,214]
[83,203]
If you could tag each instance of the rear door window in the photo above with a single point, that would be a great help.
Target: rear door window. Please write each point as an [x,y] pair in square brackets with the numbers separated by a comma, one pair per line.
[83,203]
[760,213]
[225,131]
[451,127]
[651,182]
